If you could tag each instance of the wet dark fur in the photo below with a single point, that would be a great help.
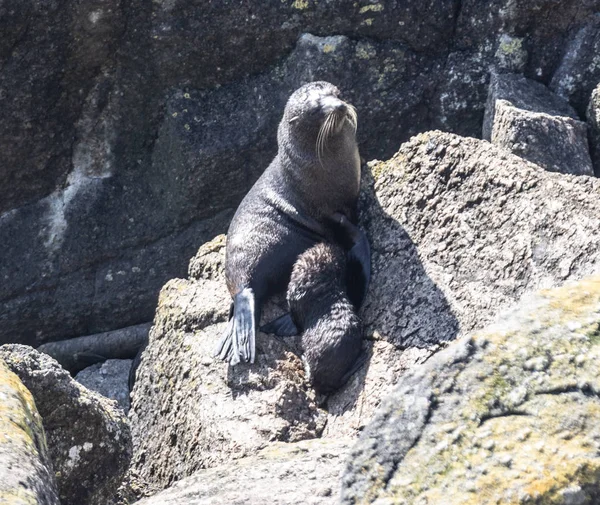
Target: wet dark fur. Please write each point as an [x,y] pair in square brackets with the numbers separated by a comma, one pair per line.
[331,331]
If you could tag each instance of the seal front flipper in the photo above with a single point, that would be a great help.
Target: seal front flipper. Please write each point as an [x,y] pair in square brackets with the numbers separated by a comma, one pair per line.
[239,340]
[283,326]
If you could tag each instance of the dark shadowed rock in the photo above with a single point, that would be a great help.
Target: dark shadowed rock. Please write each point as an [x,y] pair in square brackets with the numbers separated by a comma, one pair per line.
[593,117]
[26,475]
[108,379]
[78,353]
[505,416]
[524,117]
[579,71]
[88,436]
[282,474]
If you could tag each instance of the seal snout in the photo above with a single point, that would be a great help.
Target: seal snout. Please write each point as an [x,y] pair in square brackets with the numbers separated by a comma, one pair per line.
[332,104]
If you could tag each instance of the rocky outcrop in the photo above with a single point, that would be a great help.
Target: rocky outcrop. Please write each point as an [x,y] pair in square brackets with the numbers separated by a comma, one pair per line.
[110,379]
[459,230]
[282,474]
[26,475]
[506,415]
[88,436]
[130,133]
[593,116]
[524,117]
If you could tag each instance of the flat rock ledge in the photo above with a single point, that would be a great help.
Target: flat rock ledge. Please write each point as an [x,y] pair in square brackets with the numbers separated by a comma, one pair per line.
[306,472]
[508,415]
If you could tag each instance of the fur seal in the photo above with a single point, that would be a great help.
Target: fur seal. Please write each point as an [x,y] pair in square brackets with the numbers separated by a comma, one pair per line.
[323,313]
[314,176]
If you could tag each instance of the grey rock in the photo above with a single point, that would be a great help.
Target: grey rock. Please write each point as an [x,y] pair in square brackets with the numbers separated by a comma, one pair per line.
[282,474]
[593,117]
[78,353]
[110,379]
[476,423]
[49,57]
[579,71]
[88,436]
[524,117]
[459,230]
[26,475]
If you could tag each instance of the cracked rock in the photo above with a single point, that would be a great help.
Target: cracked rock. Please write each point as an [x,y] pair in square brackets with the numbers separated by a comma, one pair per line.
[88,436]
[524,117]
[453,432]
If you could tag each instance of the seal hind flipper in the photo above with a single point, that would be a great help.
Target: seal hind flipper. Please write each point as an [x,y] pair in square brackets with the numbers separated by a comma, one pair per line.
[358,260]
[358,270]
[283,326]
[239,340]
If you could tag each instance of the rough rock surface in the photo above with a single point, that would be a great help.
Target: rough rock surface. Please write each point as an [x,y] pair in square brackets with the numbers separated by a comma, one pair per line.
[26,476]
[88,436]
[459,230]
[108,379]
[281,474]
[93,225]
[524,117]
[508,415]
[593,116]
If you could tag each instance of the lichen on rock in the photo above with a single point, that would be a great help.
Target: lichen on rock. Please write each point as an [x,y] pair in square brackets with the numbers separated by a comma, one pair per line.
[508,415]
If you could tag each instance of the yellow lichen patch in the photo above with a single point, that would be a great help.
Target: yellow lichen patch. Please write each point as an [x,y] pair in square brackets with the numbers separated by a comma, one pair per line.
[300,4]
[576,299]
[328,48]
[22,439]
[510,45]
[371,8]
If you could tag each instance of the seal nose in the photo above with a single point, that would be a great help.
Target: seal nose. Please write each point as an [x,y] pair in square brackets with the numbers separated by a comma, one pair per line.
[333,104]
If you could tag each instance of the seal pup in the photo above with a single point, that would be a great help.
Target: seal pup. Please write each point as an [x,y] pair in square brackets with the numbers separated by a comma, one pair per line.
[320,308]
[315,174]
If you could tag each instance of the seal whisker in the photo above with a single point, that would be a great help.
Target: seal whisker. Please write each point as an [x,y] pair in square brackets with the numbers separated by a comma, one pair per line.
[352,116]
[321,137]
